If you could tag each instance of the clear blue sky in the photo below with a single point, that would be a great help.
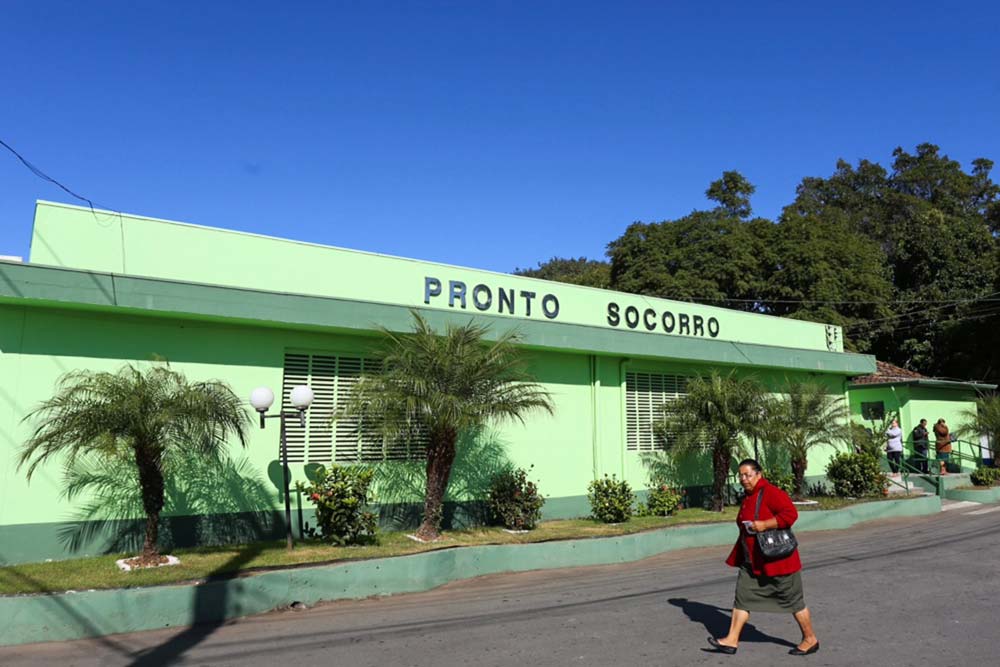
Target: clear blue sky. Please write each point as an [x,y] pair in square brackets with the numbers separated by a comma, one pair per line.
[484,134]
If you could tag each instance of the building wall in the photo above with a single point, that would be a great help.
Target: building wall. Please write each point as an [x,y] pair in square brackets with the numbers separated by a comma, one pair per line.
[913,403]
[75,237]
[584,439]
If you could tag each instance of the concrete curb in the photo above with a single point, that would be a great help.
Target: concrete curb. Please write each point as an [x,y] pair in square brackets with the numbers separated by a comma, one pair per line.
[63,616]
[986,495]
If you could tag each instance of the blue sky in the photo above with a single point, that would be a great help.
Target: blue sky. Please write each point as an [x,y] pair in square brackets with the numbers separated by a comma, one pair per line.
[486,134]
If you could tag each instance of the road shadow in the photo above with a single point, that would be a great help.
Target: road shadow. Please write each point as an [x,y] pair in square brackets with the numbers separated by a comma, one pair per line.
[716,621]
[212,599]
[77,613]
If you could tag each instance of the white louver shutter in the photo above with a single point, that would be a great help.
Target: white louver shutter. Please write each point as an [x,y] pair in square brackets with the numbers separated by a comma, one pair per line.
[645,396]
[326,439]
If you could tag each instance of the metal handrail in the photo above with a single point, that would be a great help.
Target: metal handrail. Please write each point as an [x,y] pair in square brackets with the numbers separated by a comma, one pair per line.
[957,453]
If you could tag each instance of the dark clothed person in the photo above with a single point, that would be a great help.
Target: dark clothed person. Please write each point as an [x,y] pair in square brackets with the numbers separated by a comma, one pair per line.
[921,441]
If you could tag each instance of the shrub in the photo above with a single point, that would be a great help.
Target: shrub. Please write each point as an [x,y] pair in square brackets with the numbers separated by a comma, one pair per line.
[983,476]
[783,480]
[856,475]
[610,500]
[661,501]
[341,496]
[514,501]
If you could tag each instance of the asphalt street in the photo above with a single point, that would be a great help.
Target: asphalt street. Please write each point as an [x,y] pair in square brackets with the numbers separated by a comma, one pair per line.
[921,591]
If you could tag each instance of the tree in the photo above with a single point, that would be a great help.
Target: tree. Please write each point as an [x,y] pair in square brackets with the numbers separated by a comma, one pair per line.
[717,412]
[580,271]
[145,415]
[805,418]
[827,271]
[934,224]
[732,192]
[706,256]
[443,386]
[984,419]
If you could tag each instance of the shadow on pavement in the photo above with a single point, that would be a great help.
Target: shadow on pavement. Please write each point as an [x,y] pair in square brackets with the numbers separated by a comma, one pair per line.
[716,622]
[210,604]
[56,601]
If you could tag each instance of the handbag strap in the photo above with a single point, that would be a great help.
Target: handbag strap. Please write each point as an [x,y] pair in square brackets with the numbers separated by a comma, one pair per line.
[760,497]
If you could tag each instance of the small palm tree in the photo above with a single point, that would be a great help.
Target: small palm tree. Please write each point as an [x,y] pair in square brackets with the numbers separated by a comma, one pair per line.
[443,386]
[144,415]
[717,412]
[984,419]
[808,417]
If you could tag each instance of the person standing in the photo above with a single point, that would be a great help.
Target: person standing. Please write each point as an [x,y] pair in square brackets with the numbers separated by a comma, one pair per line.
[894,446]
[942,444]
[772,585]
[921,441]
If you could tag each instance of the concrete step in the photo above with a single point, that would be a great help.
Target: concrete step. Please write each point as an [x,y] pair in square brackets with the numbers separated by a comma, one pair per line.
[929,482]
[897,485]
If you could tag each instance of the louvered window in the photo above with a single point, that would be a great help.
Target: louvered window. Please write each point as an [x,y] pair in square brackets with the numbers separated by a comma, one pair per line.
[325,439]
[645,396]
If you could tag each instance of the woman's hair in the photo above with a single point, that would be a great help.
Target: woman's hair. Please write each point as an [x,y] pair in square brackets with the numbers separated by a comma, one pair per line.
[749,462]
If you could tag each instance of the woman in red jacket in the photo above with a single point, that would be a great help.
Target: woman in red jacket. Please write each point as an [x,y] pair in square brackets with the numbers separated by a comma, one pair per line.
[765,585]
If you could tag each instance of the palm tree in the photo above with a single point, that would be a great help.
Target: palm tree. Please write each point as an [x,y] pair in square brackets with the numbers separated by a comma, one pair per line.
[717,412]
[443,386]
[984,419]
[145,415]
[808,417]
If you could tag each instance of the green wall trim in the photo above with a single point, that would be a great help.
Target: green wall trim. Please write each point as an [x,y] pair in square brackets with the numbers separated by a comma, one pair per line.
[928,382]
[985,495]
[38,618]
[37,542]
[76,289]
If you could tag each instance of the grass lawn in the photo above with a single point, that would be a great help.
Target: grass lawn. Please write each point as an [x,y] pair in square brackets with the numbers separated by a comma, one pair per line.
[233,560]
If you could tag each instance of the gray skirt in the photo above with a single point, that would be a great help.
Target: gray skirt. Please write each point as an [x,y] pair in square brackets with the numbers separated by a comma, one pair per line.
[776,594]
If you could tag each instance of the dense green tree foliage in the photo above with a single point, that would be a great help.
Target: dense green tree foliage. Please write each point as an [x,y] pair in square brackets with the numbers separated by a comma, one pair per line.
[906,258]
[580,271]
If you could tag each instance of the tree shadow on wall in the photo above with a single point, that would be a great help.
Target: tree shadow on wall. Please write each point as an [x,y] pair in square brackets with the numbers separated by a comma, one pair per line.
[690,470]
[400,485]
[207,501]
[775,457]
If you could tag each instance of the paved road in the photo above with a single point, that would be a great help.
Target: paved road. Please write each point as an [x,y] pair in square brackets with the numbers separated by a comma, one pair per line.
[901,592]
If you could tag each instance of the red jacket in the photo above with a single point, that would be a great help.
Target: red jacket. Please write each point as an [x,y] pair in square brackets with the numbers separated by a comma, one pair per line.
[776,504]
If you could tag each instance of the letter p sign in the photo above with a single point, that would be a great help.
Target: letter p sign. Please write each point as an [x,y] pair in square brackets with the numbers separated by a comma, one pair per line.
[432,287]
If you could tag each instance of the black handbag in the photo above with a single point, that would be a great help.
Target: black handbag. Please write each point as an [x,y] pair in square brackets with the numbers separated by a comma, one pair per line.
[777,542]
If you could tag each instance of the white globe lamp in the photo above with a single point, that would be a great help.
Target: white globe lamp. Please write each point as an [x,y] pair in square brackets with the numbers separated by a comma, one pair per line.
[261,399]
[301,397]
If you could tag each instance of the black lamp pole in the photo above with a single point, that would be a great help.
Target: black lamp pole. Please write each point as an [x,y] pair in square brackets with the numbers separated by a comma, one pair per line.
[285,473]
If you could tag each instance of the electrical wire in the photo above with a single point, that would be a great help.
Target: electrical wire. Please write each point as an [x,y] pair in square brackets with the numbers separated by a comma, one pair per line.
[45,177]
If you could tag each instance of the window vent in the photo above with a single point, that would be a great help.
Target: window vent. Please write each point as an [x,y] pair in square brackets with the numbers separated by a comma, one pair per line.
[645,396]
[324,438]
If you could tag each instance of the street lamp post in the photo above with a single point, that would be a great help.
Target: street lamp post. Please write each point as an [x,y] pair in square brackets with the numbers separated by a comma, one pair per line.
[301,398]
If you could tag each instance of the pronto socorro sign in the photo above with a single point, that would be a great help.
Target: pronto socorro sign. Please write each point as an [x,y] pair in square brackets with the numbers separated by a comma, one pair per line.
[527,303]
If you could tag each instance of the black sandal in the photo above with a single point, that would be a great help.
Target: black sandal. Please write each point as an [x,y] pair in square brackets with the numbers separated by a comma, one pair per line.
[809,651]
[721,648]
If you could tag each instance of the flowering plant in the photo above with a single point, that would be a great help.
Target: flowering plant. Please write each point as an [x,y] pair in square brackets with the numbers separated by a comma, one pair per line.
[341,495]
[514,501]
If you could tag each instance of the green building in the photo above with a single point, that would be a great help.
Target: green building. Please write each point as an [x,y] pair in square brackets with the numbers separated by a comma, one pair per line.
[908,396]
[101,289]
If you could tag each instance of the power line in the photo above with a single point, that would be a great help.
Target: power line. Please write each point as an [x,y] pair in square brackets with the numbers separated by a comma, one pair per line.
[45,177]
[957,302]
[765,300]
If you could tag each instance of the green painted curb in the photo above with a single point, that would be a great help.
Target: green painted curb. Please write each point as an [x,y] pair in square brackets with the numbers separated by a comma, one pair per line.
[989,494]
[39,618]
